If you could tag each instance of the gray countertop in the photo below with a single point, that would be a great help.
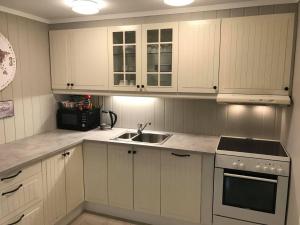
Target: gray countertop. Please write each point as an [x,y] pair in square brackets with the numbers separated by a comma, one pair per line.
[29,150]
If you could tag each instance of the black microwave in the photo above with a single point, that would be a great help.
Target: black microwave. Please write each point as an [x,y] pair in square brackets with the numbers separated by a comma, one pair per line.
[75,119]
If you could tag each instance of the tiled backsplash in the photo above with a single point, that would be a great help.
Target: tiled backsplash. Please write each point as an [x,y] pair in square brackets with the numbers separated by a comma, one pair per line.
[196,116]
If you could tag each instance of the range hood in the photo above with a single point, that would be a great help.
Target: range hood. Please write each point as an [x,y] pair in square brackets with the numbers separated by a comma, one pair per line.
[254,99]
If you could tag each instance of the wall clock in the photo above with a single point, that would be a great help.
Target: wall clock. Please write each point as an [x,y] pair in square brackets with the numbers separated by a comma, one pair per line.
[8,63]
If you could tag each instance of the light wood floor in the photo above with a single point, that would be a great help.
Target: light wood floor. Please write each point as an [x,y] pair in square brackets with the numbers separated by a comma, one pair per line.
[91,219]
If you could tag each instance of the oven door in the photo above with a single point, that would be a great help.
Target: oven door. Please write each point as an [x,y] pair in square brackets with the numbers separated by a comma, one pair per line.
[252,197]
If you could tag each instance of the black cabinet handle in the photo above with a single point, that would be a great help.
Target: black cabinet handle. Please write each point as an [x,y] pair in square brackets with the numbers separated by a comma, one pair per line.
[215,87]
[18,221]
[179,155]
[286,88]
[65,154]
[12,191]
[68,84]
[129,152]
[13,176]
[72,84]
[143,86]
[137,86]
[134,152]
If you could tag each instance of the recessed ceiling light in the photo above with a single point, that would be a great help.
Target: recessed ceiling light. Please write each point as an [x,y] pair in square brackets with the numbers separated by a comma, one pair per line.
[178,2]
[86,7]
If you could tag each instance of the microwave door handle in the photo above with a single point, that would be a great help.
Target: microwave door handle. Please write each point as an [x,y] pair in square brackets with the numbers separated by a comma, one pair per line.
[250,178]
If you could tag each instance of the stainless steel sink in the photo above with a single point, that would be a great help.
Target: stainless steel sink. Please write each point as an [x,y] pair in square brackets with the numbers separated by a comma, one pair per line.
[128,135]
[151,138]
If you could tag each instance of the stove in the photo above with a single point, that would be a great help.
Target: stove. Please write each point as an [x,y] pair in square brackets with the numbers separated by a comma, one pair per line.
[251,182]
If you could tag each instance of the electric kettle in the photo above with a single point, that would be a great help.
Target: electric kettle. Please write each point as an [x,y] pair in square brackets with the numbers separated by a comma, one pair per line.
[112,117]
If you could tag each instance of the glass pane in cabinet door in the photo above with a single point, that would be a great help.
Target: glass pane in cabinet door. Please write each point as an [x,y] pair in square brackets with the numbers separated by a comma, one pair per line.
[118,37]
[152,80]
[130,79]
[152,58]
[166,80]
[166,58]
[118,59]
[130,58]
[129,37]
[152,36]
[119,79]
[166,35]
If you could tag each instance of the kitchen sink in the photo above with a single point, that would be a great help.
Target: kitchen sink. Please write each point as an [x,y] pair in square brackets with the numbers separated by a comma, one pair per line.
[153,138]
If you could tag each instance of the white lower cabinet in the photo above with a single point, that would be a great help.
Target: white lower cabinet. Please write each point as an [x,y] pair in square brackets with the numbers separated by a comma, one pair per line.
[181,185]
[146,180]
[63,184]
[120,176]
[95,172]
[31,216]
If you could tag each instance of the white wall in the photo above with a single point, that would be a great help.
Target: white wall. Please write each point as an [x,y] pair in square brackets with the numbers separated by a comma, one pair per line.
[197,116]
[33,101]
[291,137]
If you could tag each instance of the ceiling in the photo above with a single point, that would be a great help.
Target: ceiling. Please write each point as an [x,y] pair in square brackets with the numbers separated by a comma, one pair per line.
[54,10]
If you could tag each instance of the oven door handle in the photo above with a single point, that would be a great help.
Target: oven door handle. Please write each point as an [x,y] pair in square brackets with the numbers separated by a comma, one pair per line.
[250,178]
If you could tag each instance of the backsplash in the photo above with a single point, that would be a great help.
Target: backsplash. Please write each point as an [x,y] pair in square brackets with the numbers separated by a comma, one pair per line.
[196,116]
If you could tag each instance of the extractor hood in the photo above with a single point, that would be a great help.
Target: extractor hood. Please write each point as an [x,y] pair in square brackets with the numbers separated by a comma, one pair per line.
[254,99]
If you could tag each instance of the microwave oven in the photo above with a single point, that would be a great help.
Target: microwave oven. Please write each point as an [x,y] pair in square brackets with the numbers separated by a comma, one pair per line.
[80,120]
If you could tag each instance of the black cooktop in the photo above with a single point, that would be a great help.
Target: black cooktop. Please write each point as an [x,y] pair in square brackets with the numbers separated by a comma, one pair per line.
[246,145]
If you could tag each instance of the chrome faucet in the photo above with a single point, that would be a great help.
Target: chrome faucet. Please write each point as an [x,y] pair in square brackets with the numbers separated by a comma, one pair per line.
[142,127]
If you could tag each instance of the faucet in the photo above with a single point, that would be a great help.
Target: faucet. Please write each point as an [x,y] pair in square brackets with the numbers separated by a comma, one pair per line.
[141,127]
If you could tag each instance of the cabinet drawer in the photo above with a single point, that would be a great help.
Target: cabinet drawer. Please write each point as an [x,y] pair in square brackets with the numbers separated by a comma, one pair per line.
[19,175]
[16,197]
[30,216]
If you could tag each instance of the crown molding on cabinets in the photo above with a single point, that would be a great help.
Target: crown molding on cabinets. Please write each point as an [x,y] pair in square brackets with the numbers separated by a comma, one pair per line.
[250,3]
[24,14]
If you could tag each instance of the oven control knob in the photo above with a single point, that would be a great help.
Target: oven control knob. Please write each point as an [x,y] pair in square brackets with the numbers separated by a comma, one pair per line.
[258,167]
[235,165]
[279,170]
[242,165]
[265,168]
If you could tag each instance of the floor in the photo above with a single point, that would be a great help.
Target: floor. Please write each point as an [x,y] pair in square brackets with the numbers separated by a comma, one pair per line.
[91,219]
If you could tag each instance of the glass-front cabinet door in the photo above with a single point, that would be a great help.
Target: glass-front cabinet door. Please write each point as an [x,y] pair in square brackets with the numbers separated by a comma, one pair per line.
[125,58]
[160,57]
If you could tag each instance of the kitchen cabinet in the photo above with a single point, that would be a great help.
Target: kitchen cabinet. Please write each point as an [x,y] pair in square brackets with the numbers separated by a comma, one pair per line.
[120,176]
[199,48]
[125,58]
[79,59]
[159,57]
[63,184]
[95,172]
[181,185]
[74,177]
[146,180]
[256,54]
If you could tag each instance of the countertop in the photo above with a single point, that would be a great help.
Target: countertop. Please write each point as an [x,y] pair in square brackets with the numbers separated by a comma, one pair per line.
[26,151]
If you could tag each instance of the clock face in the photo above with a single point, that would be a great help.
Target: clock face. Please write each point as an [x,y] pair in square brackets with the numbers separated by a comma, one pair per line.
[7,63]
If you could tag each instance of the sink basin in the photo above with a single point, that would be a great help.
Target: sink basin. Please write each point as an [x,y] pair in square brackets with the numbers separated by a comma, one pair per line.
[151,138]
[128,135]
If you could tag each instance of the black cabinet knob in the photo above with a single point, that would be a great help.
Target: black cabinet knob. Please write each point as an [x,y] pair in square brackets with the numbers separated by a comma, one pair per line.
[68,84]
[134,152]
[286,88]
[72,84]
[215,87]
[143,86]
[138,86]
[129,152]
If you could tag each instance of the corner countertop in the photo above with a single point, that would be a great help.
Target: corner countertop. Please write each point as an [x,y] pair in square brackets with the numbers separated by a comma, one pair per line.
[26,151]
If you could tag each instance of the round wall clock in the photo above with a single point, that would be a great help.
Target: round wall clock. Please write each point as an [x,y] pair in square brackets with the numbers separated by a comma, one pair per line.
[7,63]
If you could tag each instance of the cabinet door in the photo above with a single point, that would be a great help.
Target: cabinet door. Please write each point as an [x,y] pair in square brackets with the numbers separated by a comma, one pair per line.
[120,176]
[31,216]
[181,185]
[125,58]
[256,54]
[95,172]
[54,183]
[147,180]
[74,177]
[199,48]
[89,58]
[160,57]
[59,54]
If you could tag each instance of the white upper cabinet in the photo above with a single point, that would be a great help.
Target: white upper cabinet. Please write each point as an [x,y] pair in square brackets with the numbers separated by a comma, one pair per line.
[60,67]
[79,59]
[256,54]
[89,61]
[199,47]
[159,57]
[125,58]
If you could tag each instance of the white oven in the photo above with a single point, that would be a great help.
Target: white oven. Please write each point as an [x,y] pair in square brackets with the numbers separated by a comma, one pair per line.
[242,193]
